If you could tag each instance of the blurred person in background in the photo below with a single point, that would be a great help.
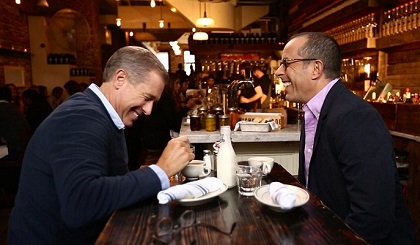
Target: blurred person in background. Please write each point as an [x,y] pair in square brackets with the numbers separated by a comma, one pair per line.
[56,97]
[72,87]
[37,108]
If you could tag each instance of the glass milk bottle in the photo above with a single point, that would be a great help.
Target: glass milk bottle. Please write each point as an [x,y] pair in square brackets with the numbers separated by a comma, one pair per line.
[226,159]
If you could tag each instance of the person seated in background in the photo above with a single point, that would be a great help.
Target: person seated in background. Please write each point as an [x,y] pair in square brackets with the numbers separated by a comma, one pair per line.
[346,155]
[37,108]
[83,86]
[165,120]
[72,87]
[16,96]
[74,173]
[12,124]
[56,97]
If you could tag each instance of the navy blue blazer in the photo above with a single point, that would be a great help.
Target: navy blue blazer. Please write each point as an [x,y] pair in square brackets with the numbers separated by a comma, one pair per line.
[353,171]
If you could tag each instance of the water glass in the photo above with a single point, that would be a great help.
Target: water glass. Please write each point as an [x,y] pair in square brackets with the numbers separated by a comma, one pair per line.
[248,178]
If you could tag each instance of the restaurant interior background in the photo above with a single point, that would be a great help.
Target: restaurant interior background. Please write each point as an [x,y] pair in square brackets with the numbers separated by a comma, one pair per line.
[48,42]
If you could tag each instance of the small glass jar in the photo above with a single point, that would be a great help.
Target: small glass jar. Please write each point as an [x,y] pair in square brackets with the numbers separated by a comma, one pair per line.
[195,123]
[210,123]
[224,120]
[202,111]
[218,111]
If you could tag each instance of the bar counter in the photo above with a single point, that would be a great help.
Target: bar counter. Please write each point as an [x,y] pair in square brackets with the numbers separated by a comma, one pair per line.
[312,223]
[288,133]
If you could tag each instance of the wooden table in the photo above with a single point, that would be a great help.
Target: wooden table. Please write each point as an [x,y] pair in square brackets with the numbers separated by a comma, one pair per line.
[312,223]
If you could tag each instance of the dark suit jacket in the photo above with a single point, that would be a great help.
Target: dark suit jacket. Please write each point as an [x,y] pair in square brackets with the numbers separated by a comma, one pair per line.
[353,171]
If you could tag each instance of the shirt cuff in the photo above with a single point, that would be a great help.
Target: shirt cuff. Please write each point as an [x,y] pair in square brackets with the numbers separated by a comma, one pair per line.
[164,180]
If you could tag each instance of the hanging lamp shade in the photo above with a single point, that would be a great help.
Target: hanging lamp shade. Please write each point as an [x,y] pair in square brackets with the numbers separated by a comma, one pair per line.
[200,36]
[42,3]
[204,21]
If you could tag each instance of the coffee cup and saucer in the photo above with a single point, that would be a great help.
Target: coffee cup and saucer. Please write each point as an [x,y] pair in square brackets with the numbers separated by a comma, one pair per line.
[196,169]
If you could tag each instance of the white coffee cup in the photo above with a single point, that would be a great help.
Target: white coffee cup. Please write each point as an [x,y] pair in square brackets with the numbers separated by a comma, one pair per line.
[265,163]
[195,169]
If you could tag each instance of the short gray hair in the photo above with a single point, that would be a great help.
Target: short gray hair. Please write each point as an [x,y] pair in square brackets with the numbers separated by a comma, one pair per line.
[138,62]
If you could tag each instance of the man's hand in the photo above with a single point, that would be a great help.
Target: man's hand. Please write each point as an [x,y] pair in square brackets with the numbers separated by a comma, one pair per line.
[175,156]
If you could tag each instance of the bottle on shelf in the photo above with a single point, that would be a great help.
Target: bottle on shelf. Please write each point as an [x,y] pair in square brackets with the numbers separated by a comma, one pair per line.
[226,159]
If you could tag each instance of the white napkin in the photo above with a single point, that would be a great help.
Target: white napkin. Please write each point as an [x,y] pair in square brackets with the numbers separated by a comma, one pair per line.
[281,195]
[190,190]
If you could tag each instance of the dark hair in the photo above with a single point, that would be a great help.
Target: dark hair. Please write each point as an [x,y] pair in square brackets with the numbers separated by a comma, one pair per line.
[5,93]
[137,62]
[322,47]
[57,89]
[72,87]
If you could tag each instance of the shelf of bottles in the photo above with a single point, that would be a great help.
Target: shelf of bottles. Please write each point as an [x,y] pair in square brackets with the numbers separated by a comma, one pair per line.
[355,30]
[229,67]
[239,38]
[403,18]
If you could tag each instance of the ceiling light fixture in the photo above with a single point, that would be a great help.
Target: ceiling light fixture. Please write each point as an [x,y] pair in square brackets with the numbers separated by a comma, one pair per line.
[42,3]
[17,2]
[205,21]
[118,21]
[200,36]
[161,21]
[152,3]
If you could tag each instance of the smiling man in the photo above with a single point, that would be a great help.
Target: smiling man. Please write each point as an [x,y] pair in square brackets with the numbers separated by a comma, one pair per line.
[346,155]
[74,172]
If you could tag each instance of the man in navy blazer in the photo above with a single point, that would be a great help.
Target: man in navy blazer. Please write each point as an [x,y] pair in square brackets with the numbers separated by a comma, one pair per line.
[346,151]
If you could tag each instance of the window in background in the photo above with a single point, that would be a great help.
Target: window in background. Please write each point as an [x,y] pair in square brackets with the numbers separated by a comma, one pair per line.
[189,59]
[164,58]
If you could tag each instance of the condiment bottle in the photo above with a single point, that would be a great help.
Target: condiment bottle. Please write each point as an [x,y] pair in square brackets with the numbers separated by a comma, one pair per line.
[226,159]
[207,159]
[233,117]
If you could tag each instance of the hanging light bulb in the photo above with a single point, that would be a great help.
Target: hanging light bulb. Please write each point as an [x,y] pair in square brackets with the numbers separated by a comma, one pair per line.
[118,21]
[205,21]
[152,3]
[161,21]
[17,2]
[131,34]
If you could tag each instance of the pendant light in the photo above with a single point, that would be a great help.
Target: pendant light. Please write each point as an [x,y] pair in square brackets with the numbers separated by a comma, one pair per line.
[200,36]
[205,21]
[152,3]
[42,3]
[161,21]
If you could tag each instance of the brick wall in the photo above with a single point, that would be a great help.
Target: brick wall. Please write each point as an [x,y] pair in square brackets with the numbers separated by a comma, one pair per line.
[14,34]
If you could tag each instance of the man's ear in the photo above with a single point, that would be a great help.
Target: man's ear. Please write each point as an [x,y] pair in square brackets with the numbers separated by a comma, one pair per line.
[119,80]
[318,68]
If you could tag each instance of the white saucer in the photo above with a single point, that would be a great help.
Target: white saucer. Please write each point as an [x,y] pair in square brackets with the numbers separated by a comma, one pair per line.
[203,199]
[262,194]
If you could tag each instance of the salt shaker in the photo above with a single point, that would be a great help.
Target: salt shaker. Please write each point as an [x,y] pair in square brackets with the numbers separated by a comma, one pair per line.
[207,159]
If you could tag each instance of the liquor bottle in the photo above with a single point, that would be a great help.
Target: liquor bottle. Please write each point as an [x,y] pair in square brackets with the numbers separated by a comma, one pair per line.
[226,159]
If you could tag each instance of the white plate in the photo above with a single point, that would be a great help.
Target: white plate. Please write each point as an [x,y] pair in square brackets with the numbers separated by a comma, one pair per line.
[203,199]
[262,194]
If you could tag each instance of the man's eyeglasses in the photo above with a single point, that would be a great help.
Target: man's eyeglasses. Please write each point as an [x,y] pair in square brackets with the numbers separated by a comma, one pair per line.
[285,62]
[165,228]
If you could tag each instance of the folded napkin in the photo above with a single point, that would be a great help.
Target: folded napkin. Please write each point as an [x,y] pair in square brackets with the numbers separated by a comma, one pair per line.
[281,195]
[190,190]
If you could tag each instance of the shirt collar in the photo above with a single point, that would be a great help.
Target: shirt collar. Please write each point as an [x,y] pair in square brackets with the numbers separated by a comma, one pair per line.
[315,104]
[114,115]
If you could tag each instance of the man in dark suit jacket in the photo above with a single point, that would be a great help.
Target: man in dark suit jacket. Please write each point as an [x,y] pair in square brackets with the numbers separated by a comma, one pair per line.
[346,151]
